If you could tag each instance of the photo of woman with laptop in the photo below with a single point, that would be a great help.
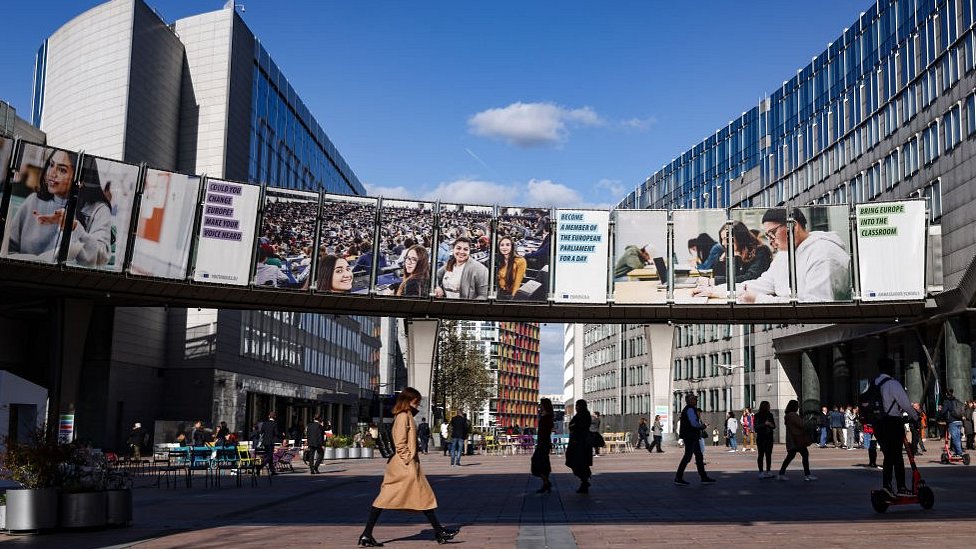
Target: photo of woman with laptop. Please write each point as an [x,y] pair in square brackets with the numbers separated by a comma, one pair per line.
[522,254]
[707,240]
[464,253]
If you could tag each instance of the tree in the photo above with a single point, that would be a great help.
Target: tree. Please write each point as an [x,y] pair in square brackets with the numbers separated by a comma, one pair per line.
[462,380]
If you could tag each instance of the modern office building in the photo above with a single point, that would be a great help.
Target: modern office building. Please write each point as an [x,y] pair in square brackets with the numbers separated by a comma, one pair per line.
[200,95]
[887,111]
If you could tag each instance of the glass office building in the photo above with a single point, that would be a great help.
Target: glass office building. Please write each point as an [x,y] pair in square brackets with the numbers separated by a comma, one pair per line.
[288,148]
[886,112]
[198,95]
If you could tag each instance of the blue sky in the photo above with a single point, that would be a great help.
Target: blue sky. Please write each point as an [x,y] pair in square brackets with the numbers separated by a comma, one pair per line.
[517,103]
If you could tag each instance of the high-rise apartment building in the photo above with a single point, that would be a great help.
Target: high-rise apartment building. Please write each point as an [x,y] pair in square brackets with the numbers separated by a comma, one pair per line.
[511,351]
[886,112]
[200,95]
[518,375]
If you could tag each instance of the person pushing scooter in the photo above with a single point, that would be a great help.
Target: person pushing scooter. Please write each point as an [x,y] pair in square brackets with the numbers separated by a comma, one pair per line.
[890,428]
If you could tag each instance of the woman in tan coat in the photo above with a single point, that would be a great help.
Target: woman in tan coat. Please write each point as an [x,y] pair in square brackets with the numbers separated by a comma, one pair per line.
[404,485]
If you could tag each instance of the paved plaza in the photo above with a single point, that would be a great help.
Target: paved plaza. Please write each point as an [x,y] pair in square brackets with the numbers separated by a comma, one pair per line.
[632,503]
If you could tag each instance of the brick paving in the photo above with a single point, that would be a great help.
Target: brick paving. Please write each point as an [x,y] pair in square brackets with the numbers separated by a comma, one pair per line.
[632,504]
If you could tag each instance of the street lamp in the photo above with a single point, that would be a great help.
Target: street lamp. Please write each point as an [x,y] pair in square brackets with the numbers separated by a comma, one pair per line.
[729,369]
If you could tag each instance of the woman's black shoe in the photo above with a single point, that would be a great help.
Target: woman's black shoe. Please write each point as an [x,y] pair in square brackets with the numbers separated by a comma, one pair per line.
[445,535]
[584,488]
[545,489]
[368,541]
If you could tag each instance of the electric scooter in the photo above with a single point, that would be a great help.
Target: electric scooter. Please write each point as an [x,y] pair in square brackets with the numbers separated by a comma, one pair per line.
[948,456]
[920,494]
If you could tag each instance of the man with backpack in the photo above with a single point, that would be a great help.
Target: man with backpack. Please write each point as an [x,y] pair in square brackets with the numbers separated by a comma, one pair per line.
[883,404]
[952,411]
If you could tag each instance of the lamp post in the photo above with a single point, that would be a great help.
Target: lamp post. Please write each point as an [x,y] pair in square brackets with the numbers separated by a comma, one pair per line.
[729,369]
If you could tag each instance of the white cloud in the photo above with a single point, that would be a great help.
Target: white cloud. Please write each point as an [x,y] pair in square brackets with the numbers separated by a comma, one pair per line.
[470,191]
[614,186]
[531,124]
[542,193]
[388,192]
[548,193]
[639,123]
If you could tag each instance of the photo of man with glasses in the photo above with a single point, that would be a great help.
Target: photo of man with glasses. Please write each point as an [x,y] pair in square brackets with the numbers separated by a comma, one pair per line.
[823,263]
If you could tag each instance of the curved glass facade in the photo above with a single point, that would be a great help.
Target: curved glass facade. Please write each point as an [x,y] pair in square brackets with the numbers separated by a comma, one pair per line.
[288,147]
[895,60]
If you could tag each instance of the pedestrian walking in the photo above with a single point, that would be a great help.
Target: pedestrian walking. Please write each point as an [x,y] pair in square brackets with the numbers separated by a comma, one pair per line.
[836,420]
[136,441]
[823,425]
[690,431]
[423,434]
[268,435]
[765,424]
[642,432]
[731,427]
[849,441]
[796,441]
[579,454]
[445,440]
[657,430]
[459,434]
[405,486]
[596,439]
[871,445]
[748,430]
[315,438]
[540,466]
[969,424]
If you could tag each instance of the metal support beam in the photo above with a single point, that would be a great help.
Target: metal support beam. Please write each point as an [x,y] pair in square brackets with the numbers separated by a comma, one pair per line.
[421,350]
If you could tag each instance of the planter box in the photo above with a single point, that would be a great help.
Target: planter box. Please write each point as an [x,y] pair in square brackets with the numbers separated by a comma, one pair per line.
[368,453]
[329,453]
[3,517]
[32,509]
[355,453]
[83,510]
[118,507]
[342,453]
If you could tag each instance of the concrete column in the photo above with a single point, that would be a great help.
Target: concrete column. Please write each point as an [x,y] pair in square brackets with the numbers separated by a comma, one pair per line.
[660,342]
[809,384]
[959,358]
[70,323]
[421,350]
[841,387]
[915,369]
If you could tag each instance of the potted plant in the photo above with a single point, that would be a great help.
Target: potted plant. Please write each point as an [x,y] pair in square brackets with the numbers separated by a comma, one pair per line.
[342,444]
[3,511]
[356,449]
[330,449]
[369,445]
[118,498]
[36,466]
[83,498]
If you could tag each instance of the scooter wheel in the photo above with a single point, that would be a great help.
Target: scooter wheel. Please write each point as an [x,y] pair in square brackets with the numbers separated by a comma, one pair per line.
[926,498]
[965,459]
[944,459]
[879,501]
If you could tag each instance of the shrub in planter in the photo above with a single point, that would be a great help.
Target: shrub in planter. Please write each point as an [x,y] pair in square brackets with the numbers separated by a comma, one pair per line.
[36,466]
[83,499]
[368,446]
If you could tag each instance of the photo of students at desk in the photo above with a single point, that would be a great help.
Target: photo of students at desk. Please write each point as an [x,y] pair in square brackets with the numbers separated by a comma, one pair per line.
[346,238]
[406,235]
[463,252]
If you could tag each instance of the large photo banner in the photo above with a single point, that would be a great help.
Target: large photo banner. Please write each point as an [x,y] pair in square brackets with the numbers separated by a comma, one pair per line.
[404,266]
[103,212]
[887,234]
[40,188]
[348,223]
[640,240]
[581,256]
[164,227]
[821,255]
[464,251]
[697,270]
[286,239]
[226,238]
[523,249]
